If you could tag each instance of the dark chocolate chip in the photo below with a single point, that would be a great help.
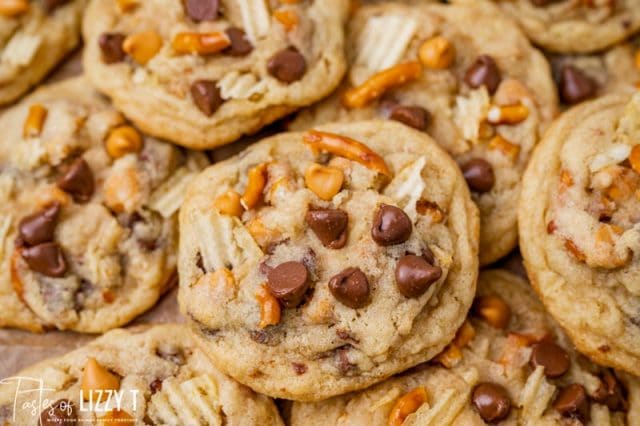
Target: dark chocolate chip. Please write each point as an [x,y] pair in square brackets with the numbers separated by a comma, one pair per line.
[155,386]
[329,225]
[413,116]
[391,225]
[414,275]
[111,47]
[611,393]
[483,72]
[288,282]
[288,65]
[552,357]
[240,44]
[299,368]
[541,3]
[61,412]
[39,227]
[492,401]
[206,96]
[351,288]
[342,360]
[46,258]
[78,181]
[575,85]
[202,10]
[479,175]
[572,402]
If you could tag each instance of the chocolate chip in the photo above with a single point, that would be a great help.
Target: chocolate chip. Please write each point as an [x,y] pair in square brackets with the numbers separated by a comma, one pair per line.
[111,47]
[155,386]
[202,10]
[342,360]
[78,181]
[38,227]
[61,412]
[572,402]
[479,175]
[491,401]
[428,255]
[240,44]
[575,86]
[611,393]
[299,368]
[552,357]
[413,116]
[288,282]
[540,3]
[351,288]
[46,258]
[288,65]
[206,96]
[483,72]
[52,5]
[329,225]
[414,275]
[391,225]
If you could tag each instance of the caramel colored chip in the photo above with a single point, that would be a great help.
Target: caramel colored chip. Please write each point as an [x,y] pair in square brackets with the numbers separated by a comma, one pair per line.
[200,43]
[437,53]
[269,307]
[493,309]
[13,8]
[142,47]
[407,404]
[97,378]
[255,185]
[123,140]
[229,204]
[324,181]
[35,121]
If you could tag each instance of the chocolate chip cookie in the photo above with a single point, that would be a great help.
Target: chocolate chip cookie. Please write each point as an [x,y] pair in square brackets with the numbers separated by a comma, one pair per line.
[583,77]
[151,376]
[321,262]
[202,73]
[574,26]
[485,95]
[510,364]
[88,224]
[34,37]
[579,231]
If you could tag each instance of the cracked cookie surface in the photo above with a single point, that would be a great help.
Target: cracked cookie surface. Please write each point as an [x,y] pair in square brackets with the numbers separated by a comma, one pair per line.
[498,370]
[89,224]
[204,73]
[158,372]
[574,26]
[34,37]
[316,263]
[580,231]
[484,94]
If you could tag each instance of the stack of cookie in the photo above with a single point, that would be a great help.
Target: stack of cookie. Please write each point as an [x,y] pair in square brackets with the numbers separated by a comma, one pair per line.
[353,262]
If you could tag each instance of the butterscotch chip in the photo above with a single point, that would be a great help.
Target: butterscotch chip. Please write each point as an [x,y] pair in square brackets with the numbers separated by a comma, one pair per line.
[324,244]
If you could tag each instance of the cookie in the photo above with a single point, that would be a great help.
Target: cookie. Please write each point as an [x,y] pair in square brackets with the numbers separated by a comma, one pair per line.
[510,364]
[468,77]
[316,263]
[582,77]
[579,233]
[34,37]
[145,376]
[202,73]
[88,223]
[570,26]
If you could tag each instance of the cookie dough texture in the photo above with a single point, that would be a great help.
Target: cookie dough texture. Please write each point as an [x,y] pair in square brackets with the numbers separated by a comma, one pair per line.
[113,221]
[449,390]
[457,111]
[579,231]
[569,26]
[34,41]
[323,347]
[156,96]
[161,373]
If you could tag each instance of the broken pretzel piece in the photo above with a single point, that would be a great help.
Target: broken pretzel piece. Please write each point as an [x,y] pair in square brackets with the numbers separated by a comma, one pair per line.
[379,83]
[347,148]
